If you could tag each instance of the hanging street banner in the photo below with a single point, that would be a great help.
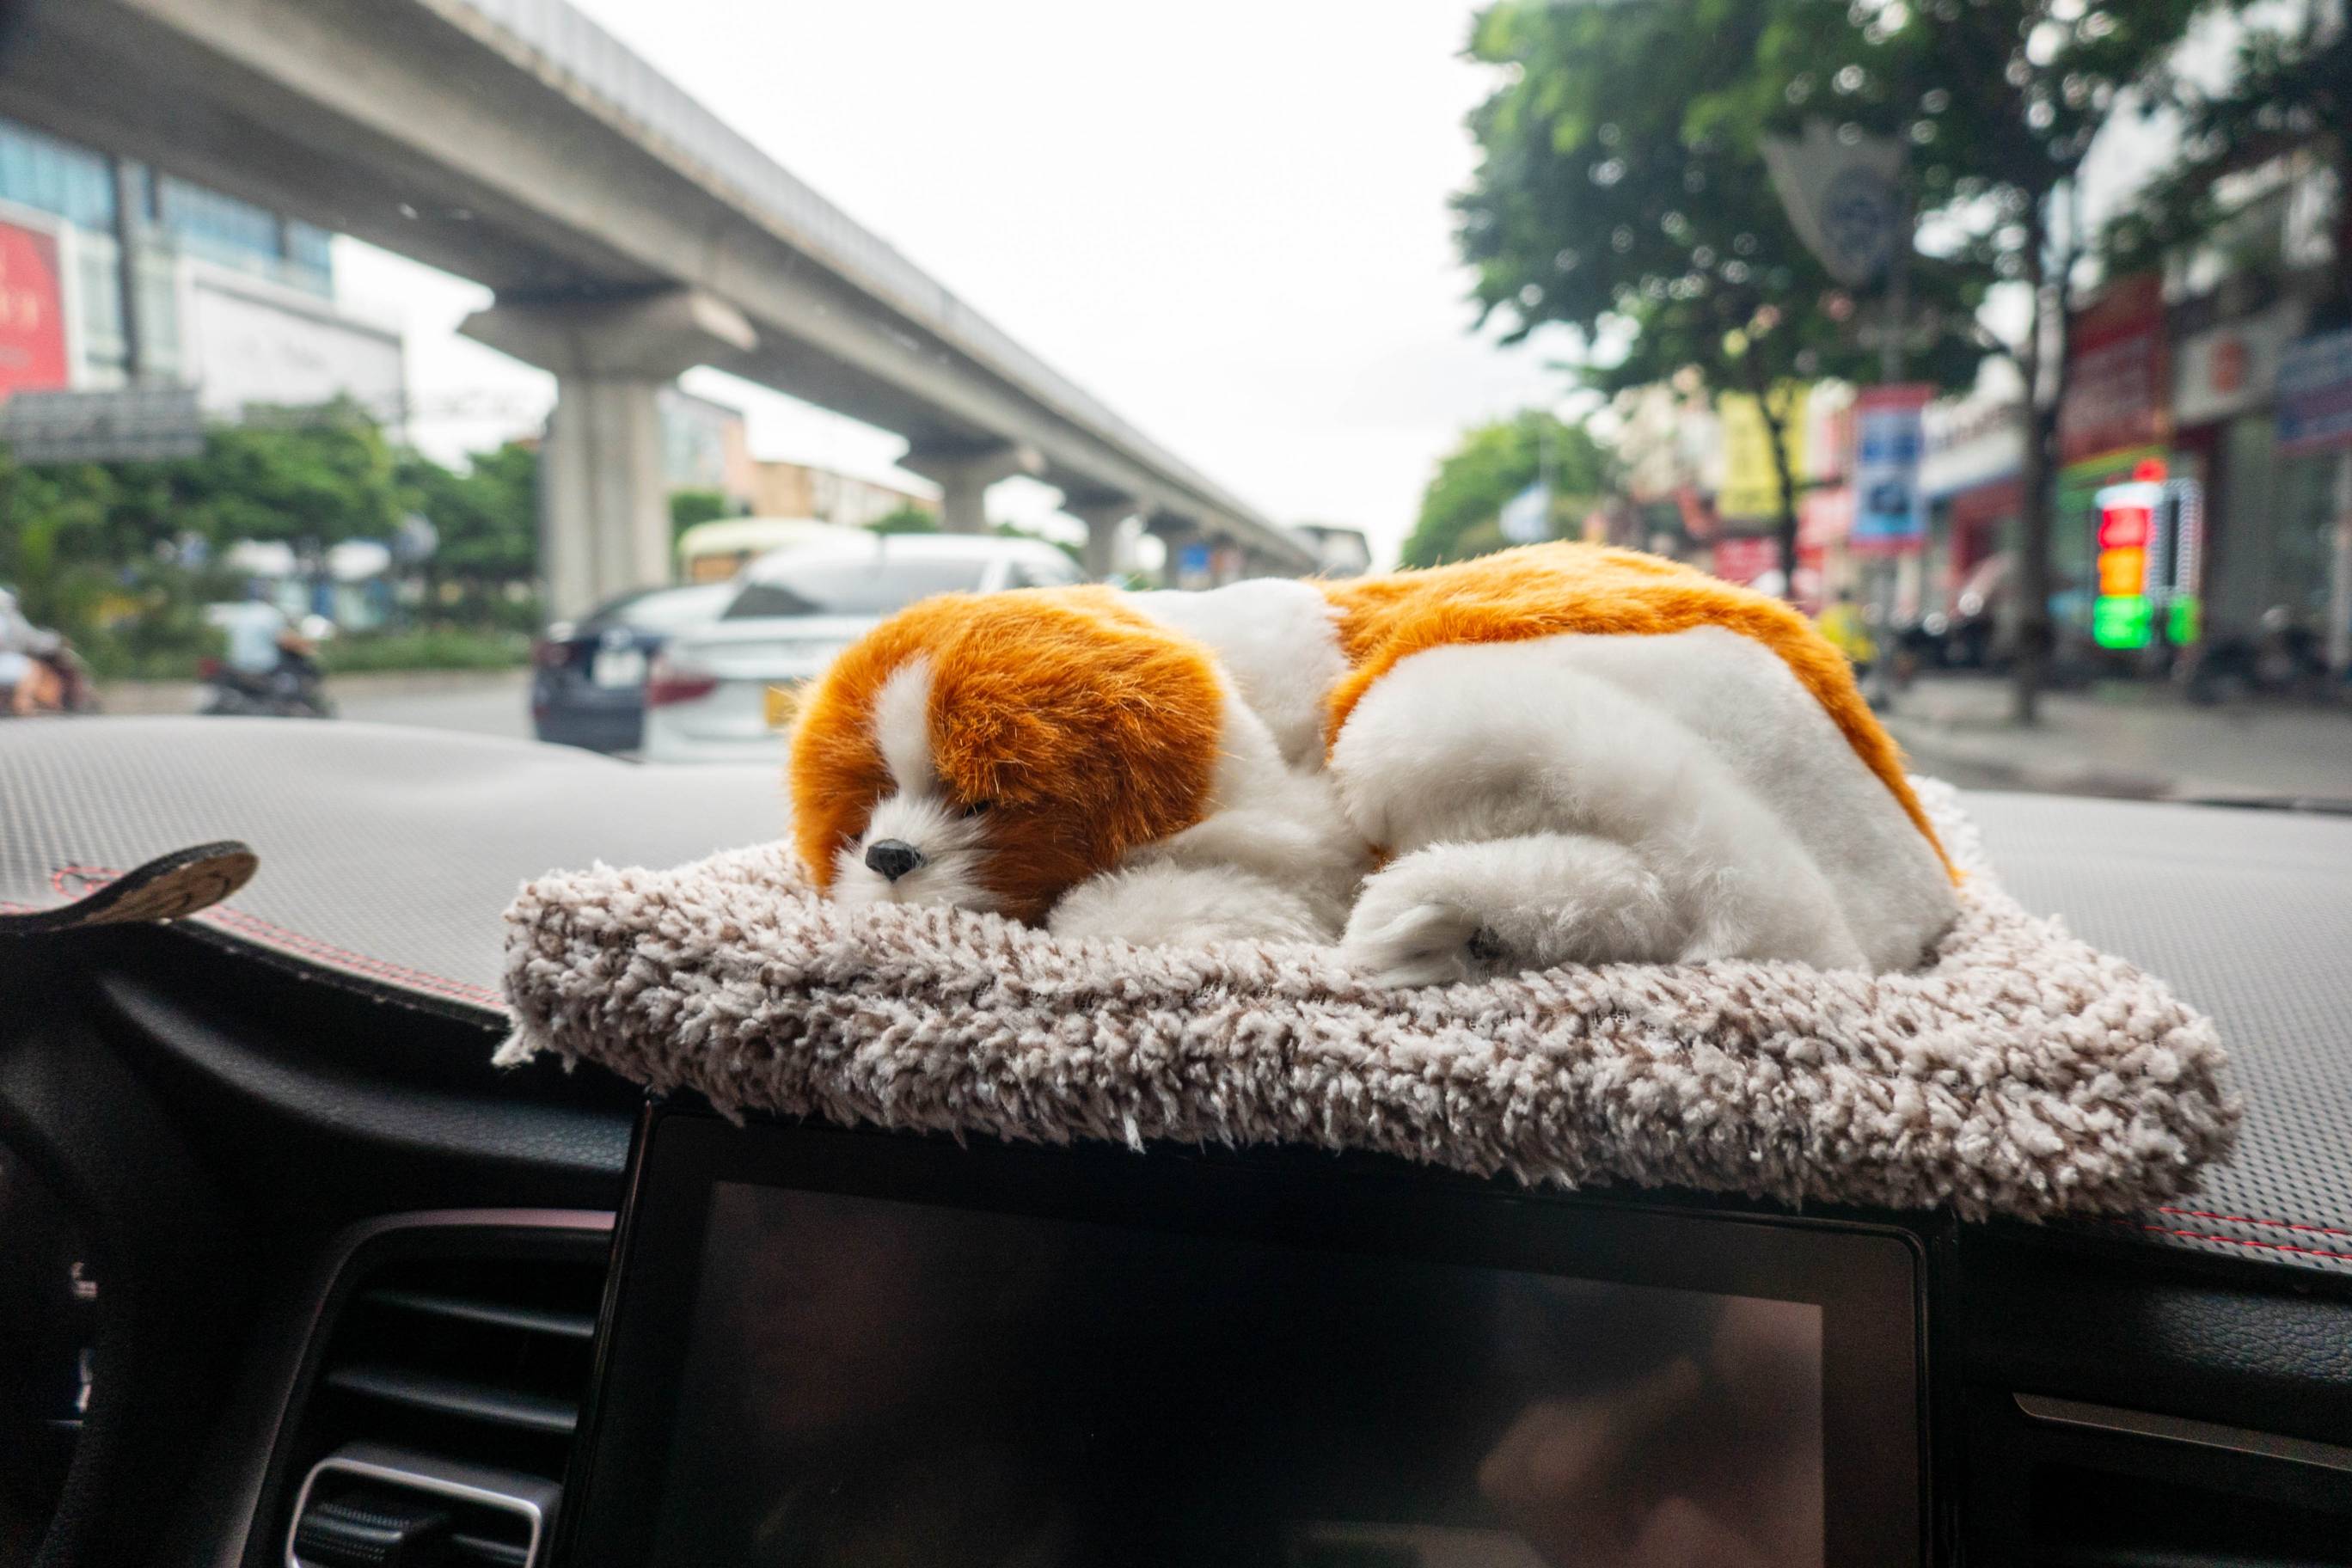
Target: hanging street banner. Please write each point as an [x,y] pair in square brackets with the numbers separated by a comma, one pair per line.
[1751,482]
[1844,196]
[1888,440]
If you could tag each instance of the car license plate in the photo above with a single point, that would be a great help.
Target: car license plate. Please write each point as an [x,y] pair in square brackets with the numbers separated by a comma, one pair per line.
[617,666]
[783,701]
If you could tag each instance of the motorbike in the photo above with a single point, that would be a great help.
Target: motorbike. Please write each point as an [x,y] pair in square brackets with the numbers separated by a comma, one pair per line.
[52,681]
[295,688]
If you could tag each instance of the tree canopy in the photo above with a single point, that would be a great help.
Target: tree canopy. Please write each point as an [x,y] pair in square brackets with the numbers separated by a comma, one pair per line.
[2288,90]
[122,556]
[1622,194]
[1461,510]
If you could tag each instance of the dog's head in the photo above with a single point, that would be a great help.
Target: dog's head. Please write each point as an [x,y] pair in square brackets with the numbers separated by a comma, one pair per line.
[990,752]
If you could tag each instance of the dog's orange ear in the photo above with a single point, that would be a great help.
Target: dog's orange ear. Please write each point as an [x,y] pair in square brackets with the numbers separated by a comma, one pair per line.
[1089,728]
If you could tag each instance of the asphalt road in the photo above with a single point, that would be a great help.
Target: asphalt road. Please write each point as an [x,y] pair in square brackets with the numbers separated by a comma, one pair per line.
[485,702]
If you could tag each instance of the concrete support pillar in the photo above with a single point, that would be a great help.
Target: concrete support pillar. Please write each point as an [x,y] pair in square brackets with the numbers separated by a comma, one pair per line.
[1176,534]
[604,500]
[603,496]
[963,474]
[1103,554]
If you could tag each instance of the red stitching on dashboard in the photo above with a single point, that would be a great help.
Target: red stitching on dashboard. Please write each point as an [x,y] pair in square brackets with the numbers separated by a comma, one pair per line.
[310,946]
[2245,1219]
[2239,1241]
[381,968]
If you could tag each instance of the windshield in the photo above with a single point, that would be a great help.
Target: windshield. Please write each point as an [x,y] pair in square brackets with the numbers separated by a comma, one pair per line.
[2008,342]
[866,585]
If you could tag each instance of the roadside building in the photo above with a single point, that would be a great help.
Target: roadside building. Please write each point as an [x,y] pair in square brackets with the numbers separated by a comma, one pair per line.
[1970,489]
[117,274]
[705,448]
[804,490]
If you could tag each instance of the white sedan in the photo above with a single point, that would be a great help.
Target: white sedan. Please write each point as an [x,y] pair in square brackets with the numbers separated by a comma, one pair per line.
[723,691]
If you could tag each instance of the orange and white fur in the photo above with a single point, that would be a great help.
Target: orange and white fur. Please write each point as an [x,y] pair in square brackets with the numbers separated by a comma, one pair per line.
[1556,754]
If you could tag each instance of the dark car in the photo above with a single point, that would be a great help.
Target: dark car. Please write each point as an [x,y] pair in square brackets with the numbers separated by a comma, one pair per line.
[588,676]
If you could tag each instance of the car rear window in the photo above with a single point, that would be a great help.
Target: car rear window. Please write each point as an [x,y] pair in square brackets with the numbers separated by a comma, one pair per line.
[666,611]
[874,586]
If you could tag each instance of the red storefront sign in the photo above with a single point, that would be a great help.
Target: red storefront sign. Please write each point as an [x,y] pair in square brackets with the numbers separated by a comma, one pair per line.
[32,312]
[2117,377]
[1824,517]
[1745,560]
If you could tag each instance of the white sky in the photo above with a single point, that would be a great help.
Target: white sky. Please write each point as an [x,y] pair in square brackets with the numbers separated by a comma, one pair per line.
[1228,221]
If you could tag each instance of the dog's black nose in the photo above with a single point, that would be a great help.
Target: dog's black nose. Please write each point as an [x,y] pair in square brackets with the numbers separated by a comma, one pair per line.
[892,859]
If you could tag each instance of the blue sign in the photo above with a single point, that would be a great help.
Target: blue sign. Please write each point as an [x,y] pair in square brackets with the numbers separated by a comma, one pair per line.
[2314,393]
[1887,443]
[1527,516]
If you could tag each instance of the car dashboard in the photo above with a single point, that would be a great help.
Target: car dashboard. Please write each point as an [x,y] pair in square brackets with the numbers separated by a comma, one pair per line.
[282,1238]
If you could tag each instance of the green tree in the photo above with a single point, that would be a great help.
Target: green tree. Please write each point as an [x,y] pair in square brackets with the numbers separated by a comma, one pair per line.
[1461,508]
[1632,129]
[2289,89]
[1622,193]
[312,483]
[122,556]
[2001,101]
[905,520]
[487,519]
[690,507]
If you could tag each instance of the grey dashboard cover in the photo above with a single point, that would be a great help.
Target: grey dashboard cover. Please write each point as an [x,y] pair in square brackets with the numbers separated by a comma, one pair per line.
[384,855]
[2019,1071]
[387,857]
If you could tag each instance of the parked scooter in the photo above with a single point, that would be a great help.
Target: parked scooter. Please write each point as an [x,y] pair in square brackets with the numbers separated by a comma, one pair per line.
[294,688]
[2281,656]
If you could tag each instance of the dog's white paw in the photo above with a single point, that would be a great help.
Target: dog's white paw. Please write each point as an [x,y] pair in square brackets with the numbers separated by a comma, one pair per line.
[1464,912]
[1186,906]
[1417,944]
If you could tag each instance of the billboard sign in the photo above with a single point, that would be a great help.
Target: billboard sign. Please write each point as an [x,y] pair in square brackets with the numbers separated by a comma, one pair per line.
[32,312]
[135,425]
[258,345]
[2117,382]
[1888,440]
[2228,370]
[1751,480]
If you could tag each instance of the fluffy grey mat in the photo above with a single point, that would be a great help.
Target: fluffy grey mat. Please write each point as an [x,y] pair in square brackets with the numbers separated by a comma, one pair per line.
[2021,1072]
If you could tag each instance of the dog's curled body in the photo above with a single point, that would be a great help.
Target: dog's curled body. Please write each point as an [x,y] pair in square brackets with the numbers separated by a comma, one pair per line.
[1559,753]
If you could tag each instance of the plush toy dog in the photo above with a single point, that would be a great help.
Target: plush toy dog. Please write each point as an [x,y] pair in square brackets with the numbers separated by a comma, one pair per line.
[1561,754]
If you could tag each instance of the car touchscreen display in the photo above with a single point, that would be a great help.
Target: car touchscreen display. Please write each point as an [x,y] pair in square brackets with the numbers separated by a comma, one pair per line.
[867,1381]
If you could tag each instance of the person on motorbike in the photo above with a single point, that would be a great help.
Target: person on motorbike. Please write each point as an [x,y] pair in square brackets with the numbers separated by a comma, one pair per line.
[267,664]
[29,681]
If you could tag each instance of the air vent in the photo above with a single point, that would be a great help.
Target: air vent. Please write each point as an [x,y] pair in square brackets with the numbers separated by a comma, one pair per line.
[443,1402]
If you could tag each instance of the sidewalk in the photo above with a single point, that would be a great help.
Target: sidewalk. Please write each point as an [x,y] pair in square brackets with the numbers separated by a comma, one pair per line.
[2123,739]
